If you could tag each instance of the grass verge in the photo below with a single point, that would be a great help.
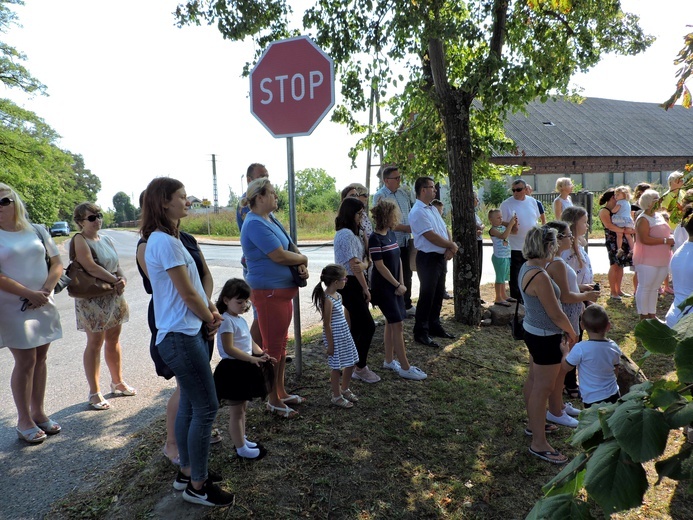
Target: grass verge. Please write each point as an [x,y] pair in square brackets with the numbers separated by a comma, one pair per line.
[448,447]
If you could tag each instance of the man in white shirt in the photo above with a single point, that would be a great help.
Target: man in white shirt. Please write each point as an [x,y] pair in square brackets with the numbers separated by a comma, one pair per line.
[527,212]
[431,238]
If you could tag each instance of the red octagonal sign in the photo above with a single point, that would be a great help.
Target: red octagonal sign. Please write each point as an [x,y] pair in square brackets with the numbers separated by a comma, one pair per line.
[292,87]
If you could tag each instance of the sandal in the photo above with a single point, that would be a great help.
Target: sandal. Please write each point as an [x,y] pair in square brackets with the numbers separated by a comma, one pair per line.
[294,399]
[548,428]
[558,457]
[175,460]
[342,402]
[285,412]
[502,304]
[101,405]
[511,300]
[33,435]
[125,389]
[50,427]
[215,436]
[350,396]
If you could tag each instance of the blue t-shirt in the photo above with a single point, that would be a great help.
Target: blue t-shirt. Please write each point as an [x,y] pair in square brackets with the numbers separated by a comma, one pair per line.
[241,212]
[260,237]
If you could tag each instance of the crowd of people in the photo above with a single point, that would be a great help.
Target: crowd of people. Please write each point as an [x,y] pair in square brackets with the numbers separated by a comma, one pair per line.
[375,251]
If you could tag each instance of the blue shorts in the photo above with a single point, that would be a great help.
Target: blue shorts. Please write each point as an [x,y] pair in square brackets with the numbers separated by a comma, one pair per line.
[502,268]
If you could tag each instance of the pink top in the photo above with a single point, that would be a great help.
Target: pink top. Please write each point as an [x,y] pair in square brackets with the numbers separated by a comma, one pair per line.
[657,255]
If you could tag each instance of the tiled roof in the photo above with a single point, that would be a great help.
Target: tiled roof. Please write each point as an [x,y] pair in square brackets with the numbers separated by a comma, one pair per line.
[601,128]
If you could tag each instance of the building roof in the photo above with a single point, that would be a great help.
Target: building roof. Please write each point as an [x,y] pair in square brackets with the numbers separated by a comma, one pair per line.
[600,128]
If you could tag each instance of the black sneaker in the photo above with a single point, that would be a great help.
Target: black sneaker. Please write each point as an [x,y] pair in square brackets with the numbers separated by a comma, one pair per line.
[182,480]
[209,495]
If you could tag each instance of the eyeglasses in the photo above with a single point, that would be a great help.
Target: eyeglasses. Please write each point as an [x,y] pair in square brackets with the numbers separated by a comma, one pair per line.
[92,218]
[561,237]
[393,178]
[517,190]
[6,201]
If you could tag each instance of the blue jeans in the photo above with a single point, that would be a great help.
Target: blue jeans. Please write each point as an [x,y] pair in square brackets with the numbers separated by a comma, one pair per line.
[188,357]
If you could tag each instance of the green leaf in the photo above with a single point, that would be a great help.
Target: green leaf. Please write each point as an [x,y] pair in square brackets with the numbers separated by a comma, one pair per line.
[684,327]
[656,336]
[570,479]
[645,386]
[560,507]
[679,414]
[683,358]
[613,480]
[590,430]
[641,431]
[672,467]
[664,394]
[686,303]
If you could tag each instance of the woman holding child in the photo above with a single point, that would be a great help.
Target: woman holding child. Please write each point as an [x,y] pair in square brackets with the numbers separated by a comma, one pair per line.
[545,325]
[611,230]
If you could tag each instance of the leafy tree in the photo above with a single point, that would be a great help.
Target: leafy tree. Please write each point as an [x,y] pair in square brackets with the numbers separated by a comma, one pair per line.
[12,73]
[89,184]
[124,210]
[685,59]
[467,63]
[315,190]
[233,198]
[619,438]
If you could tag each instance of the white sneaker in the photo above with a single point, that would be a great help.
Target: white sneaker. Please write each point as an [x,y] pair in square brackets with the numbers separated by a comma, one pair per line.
[414,373]
[365,374]
[392,365]
[411,311]
[571,410]
[563,420]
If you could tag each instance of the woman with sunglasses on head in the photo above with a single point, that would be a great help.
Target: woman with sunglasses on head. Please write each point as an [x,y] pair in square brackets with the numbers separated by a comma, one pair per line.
[29,320]
[100,317]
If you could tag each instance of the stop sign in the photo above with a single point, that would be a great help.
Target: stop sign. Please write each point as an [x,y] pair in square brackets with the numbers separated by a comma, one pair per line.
[292,87]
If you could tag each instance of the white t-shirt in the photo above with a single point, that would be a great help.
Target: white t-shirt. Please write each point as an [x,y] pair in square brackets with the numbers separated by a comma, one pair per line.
[682,278]
[423,218]
[595,361]
[170,311]
[242,340]
[680,237]
[527,212]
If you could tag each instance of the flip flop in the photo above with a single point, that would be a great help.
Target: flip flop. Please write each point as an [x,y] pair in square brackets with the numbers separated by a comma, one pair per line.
[511,300]
[546,455]
[50,427]
[294,399]
[502,304]
[548,428]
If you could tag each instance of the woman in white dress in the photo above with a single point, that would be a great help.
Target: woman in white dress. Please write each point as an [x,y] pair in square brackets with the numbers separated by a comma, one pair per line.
[100,317]
[564,187]
[29,320]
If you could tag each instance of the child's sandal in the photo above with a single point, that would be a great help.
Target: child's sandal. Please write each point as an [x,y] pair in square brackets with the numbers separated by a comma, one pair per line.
[342,402]
[350,396]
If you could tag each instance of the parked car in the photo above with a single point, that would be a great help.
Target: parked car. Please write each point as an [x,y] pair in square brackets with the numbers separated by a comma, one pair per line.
[60,228]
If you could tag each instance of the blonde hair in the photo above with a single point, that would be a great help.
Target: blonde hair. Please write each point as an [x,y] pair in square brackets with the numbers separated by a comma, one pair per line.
[255,189]
[386,214]
[540,242]
[21,221]
[571,216]
[625,190]
[674,176]
[563,182]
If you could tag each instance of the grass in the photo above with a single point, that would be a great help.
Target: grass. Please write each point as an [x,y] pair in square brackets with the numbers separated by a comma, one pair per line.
[450,447]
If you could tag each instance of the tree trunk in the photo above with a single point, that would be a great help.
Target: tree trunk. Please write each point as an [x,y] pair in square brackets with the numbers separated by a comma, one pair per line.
[454,108]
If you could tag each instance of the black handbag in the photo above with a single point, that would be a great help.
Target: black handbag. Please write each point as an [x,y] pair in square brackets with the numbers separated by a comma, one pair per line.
[517,324]
[298,279]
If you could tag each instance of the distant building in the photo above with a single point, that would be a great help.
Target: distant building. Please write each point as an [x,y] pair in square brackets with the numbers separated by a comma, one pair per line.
[599,143]
[195,203]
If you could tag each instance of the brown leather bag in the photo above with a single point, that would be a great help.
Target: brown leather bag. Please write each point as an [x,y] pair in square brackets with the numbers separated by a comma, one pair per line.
[82,284]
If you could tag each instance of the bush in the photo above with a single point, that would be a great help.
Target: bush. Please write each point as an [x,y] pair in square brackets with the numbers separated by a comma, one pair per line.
[220,224]
[496,193]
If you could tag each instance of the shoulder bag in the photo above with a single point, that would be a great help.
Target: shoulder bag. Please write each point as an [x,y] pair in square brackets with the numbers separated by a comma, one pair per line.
[64,279]
[82,284]
[298,280]
[517,324]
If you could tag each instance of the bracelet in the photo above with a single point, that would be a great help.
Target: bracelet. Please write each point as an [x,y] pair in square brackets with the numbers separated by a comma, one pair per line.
[398,286]
[665,241]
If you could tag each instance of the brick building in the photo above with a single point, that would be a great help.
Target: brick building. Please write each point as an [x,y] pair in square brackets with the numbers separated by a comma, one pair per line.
[599,143]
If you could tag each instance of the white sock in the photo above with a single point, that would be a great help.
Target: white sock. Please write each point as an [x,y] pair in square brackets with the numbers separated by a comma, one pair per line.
[247,452]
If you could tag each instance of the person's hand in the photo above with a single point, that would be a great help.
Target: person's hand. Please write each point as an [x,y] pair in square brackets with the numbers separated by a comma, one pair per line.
[629,230]
[213,326]
[36,299]
[330,350]
[400,290]
[367,295]
[356,267]
[454,248]
[592,296]
[572,338]
[303,271]
[565,346]
[448,254]
[119,286]
[479,232]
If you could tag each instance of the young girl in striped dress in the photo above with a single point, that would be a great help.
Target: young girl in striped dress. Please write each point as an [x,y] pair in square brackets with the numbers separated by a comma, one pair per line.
[341,350]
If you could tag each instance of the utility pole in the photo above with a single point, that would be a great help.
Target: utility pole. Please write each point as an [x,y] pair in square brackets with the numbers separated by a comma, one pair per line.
[214,180]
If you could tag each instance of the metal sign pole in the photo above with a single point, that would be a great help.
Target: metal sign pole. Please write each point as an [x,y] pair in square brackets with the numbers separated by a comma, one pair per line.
[293,233]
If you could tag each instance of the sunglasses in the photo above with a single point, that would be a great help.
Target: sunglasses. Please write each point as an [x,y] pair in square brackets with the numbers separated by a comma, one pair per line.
[517,190]
[92,218]
[6,201]
[393,178]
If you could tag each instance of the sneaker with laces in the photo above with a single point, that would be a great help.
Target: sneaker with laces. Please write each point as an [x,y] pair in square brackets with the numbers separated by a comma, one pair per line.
[563,420]
[365,374]
[183,480]
[209,495]
[392,365]
[571,410]
[414,373]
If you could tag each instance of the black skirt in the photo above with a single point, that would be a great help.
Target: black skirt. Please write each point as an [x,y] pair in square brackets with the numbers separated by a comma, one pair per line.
[237,380]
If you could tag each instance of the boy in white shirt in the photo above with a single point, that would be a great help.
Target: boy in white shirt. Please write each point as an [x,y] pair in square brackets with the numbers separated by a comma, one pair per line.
[596,359]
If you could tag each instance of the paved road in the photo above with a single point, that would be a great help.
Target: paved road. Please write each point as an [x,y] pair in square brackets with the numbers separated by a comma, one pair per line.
[35,476]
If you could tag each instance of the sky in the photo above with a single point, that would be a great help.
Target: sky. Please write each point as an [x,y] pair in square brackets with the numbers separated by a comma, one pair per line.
[139,98]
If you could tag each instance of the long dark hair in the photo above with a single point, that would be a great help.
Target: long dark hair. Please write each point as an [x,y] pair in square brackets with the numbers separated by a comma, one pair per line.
[330,274]
[156,195]
[233,288]
[346,216]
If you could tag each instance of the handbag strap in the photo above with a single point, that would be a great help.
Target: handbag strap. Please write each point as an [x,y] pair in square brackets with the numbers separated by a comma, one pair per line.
[72,250]
[517,305]
[43,243]
[279,224]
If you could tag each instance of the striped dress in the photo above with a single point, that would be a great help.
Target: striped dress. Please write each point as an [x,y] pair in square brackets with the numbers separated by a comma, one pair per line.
[345,354]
